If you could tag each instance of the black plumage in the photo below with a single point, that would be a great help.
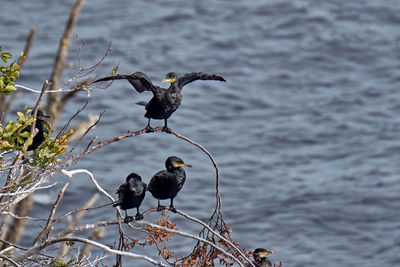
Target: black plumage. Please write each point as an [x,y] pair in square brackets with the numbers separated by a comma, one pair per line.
[43,129]
[164,101]
[167,183]
[130,195]
[260,256]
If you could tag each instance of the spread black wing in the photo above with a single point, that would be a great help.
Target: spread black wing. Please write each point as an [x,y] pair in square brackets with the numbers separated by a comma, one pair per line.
[191,77]
[139,80]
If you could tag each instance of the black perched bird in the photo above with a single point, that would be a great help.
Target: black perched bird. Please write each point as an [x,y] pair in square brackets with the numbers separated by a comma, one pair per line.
[42,126]
[130,195]
[167,183]
[164,101]
[260,256]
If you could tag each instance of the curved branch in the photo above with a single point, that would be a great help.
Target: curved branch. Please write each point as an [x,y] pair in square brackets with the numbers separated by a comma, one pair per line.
[52,241]
[71,173]
[217,193]
[157,129]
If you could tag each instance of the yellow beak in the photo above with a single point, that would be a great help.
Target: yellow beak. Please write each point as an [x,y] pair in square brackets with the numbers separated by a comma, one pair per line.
[171,80]
[182,164]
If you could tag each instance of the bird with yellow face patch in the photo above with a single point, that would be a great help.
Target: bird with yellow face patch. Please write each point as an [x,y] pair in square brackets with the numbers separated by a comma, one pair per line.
[260,256]
[167,183]
[164,101]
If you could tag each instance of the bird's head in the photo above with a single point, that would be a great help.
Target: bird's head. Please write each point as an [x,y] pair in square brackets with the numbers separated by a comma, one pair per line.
[175,162]
[261,253]
[171,77]
[134,181]
[40,115]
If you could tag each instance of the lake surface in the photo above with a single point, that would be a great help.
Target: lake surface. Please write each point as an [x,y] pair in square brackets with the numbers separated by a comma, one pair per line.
[305,131]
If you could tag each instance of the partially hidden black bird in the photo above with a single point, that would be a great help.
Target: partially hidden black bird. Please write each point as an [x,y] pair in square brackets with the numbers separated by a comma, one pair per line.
[167,183]
[130,195]
[43,128]
[260,256]
[164,101]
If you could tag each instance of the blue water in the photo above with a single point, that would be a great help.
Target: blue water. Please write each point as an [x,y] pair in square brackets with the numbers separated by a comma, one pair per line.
[305,131]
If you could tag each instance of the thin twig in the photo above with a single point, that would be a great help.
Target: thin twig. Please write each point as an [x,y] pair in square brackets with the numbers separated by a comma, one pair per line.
[47,229]
[70,119]
[91,127]
[71,173]
[28,191]
[35,110]
[22,217]
[9,260]
[81,209]
[38,91]
[12,245]
[53,100]
[28,45]
[64,248]
[214,233]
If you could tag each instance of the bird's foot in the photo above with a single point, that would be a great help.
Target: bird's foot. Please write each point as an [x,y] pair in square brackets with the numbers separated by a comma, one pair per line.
[128,219]
[138,216]
[166,129]
[172,208]
[160,208]
[149,129]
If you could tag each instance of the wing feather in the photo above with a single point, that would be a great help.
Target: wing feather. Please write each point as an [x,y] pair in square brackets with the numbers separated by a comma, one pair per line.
[139,80]
[193,76]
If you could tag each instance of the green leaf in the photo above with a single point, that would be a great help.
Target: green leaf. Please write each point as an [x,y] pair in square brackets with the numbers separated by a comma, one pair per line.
[5,56]
[25,134]
[8,90]
[5,145]
[14,67]
[20,139]
[21,117]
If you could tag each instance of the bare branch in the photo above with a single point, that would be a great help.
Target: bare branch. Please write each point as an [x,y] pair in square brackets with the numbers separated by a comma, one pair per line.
[71,173]
[22,192]
[81,209]
[96,234]
[10,260]
[12,245]
[28,45]
[214,233]
[24,217]
[47,229]
[61,90]
[64,248]
[52,241]
[53,99]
